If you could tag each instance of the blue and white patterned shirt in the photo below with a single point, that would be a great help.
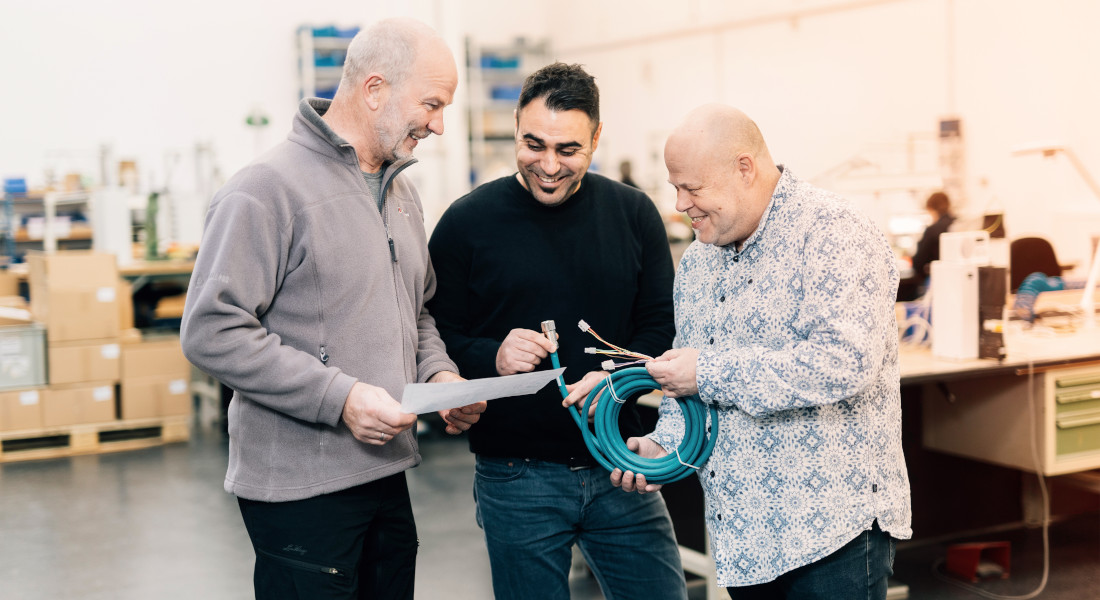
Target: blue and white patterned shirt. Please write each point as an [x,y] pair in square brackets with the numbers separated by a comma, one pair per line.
[799,348]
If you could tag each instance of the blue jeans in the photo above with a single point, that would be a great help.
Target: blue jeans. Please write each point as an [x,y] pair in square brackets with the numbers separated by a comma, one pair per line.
[859,570]
[534,511]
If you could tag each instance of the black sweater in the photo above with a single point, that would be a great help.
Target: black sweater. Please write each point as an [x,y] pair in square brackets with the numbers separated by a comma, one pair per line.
[928,248]
[505,261]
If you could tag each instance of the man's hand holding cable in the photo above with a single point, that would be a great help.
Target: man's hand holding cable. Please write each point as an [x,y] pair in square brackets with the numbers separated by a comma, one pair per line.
[462,418]
[675,372]
[646,448]
[522,351]
[579,391]
[373,416]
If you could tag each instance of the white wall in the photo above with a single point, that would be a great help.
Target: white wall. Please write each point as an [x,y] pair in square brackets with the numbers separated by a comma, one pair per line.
[153,79]
[829,80]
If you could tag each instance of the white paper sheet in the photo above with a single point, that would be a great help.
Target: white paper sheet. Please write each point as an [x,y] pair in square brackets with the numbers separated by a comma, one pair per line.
[420,398]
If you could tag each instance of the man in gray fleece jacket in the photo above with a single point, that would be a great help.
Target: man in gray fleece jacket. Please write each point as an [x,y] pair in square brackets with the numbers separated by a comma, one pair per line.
[308,300]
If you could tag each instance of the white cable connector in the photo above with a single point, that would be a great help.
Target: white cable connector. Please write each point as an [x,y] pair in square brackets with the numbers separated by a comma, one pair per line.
[584,326]
[590,351]
[608,365]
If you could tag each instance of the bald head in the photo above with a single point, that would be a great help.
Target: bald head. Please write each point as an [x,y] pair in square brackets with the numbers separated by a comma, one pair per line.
[399,75]
[390,48]
[719,132]
[722,171]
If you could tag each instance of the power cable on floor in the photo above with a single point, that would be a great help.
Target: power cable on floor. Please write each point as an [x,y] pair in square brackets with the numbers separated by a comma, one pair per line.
[1046,509]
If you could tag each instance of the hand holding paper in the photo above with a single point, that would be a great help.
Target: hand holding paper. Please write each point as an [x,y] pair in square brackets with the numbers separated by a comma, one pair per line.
[457,420]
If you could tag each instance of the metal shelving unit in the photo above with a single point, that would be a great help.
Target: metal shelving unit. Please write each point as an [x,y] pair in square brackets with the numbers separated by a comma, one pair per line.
[495,74]
[321,53]
[52,233]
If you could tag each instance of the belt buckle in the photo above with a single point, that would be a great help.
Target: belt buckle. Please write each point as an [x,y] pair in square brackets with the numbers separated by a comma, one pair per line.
[578,464]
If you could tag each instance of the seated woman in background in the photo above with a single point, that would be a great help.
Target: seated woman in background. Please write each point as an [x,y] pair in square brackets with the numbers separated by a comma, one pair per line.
[928,248]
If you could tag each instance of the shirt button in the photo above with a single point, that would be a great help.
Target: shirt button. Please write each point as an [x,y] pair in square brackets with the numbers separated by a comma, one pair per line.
[750,280]
[719,517]
[722,299]
[736,258]
[712,473]
[712,341]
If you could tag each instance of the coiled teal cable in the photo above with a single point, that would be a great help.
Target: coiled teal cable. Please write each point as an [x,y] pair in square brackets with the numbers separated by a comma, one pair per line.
[606,443]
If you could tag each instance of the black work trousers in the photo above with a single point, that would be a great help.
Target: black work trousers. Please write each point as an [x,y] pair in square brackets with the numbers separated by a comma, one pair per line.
[355,544]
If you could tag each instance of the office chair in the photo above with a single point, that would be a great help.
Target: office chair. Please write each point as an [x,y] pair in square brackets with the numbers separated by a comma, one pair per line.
[1031,255]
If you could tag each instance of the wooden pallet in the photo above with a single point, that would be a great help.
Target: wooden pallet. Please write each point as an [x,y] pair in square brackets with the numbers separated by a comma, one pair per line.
[114,436]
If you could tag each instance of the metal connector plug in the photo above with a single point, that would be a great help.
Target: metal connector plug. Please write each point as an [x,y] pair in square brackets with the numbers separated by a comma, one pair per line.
[590,351]
[550,332]
[608,365]
[583,325]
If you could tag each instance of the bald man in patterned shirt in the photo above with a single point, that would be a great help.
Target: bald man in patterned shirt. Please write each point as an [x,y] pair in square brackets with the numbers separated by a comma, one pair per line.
[785,321]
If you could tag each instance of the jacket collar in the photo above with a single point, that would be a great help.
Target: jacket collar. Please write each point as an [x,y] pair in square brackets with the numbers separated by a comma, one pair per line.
[311,131]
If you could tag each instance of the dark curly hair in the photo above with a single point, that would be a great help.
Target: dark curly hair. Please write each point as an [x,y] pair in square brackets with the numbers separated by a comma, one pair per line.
[563,87]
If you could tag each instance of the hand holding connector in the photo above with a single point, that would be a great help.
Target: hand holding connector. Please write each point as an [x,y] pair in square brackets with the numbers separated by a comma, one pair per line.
[551,333]
[521,351]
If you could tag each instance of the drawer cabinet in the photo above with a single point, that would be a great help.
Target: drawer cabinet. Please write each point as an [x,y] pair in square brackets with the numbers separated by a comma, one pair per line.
[997,419]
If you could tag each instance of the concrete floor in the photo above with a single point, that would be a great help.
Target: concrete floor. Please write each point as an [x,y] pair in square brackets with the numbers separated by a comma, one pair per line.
[155,523]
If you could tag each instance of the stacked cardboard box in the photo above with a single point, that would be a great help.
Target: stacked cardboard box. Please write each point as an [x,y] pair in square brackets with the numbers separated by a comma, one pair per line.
[76,295]
[22,367]
[156,379]
[21,410]
[83,376]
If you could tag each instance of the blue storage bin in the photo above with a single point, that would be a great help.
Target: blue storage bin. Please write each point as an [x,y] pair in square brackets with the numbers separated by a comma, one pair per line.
[15,185]
[492,61]
[505,92]
[335,59]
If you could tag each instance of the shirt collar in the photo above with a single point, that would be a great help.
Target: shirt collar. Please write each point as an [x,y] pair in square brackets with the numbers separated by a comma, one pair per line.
[783,190]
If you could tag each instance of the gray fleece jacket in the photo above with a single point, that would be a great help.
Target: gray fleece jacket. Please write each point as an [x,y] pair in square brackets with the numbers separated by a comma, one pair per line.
[301,288]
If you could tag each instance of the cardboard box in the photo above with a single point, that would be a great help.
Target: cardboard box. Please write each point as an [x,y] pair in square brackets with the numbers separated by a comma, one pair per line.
[170,307]
[9,283]
[157,396]
[125,305]
[82,362]
[22,356]
[74,269]
[160,356]
[78,405]
[13,302]
[21,410]
[156,379]
[75,294]
[74,315]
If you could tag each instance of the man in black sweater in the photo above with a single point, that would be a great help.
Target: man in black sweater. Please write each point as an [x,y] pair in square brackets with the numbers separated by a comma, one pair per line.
[556,242]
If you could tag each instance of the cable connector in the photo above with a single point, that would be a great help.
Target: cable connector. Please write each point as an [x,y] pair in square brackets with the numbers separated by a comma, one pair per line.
[590,351]
[550,332]
[608,365]
[584,326]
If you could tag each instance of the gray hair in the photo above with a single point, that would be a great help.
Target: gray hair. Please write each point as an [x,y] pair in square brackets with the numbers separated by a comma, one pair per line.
[388,47]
